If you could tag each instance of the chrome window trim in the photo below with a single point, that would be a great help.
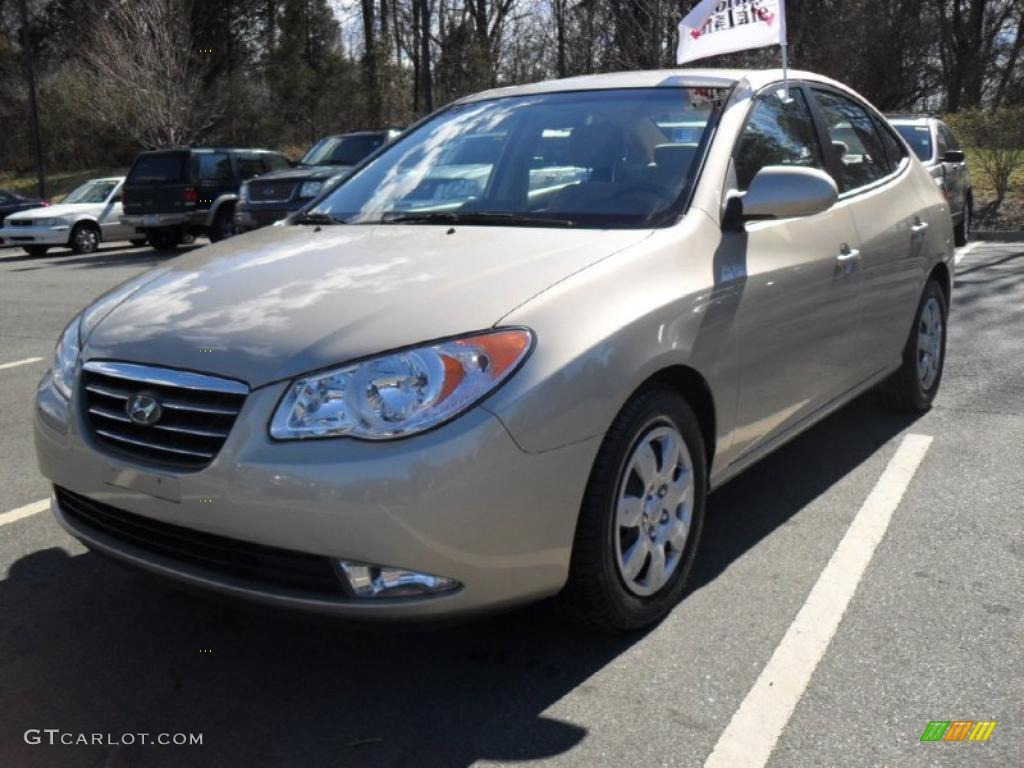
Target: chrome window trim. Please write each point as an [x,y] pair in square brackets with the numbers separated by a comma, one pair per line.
[168,377]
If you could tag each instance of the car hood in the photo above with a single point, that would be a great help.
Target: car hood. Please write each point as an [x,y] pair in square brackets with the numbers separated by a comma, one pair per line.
[60,209]
[283,301]
[303,173]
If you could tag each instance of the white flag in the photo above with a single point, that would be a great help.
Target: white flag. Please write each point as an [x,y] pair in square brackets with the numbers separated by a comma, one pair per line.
[725,26]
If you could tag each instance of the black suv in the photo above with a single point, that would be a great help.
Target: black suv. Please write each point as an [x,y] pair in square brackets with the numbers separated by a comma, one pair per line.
[273,196]
[171,195]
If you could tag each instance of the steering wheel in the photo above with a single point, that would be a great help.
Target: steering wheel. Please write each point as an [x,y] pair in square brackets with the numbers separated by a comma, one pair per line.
[642,189]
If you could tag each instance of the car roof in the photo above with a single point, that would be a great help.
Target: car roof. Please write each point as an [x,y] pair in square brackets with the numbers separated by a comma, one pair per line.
[211,149]
[908,118]
[656,78]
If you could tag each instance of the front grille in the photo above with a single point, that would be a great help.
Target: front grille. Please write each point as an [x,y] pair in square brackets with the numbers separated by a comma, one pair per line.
[268,191]
[256,564]
[196,413]
[21,222]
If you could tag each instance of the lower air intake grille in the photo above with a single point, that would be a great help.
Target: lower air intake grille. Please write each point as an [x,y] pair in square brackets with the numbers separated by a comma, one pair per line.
[159,416]
[256,564]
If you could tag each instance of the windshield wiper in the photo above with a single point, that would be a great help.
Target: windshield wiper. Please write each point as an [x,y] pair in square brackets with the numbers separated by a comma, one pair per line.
[316,218]
[475,217]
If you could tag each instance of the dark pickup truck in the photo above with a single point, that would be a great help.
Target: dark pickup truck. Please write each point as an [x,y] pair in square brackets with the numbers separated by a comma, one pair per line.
[174,194]
[273,196]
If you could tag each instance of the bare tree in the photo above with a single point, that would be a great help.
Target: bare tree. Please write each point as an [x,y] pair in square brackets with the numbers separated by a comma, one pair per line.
[146,76]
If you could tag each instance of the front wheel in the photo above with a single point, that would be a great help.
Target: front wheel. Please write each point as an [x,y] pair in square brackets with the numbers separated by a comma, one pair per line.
[641,517]
[223,225]
[85,238]
[914,386]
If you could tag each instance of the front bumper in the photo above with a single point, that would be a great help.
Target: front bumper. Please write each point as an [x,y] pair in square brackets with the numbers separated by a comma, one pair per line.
[462,501]
[35,235]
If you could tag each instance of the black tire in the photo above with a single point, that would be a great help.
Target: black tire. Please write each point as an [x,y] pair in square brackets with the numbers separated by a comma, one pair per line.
[906,389]
[223,224]
[138,243]
[962,231]
[163,239]
[85,237]
[36,250]
[596,592]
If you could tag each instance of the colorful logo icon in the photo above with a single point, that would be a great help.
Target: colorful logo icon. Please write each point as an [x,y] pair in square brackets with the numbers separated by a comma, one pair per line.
[958,730]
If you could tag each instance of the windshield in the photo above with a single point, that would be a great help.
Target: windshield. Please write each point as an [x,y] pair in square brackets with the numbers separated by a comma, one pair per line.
[615,158]
[344,150]
[91,192]
[919,137]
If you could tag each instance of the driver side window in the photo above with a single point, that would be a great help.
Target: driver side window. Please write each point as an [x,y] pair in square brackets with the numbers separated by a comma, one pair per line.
[777,133]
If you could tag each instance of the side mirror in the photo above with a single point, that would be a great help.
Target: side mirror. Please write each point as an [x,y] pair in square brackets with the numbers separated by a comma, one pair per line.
[954,156]
[783,192]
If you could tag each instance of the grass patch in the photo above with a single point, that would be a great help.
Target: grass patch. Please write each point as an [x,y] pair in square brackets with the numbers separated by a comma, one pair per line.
[57,184]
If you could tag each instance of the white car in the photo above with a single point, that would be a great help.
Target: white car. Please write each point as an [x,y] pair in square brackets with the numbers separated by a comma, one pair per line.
[87,216]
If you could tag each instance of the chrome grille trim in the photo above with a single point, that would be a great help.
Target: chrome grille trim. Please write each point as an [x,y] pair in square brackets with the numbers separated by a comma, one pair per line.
[154,446]
[168,377]
[197,412]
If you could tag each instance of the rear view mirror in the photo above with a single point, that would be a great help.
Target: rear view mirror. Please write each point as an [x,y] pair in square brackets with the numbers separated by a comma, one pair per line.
[785,192]
[954,156]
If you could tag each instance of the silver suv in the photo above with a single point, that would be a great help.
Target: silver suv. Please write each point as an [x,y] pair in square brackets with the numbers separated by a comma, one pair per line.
[933,142]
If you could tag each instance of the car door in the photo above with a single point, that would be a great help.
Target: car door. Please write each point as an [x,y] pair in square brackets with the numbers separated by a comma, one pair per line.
[955,172]
[799,305]
[874,181]
[109,218]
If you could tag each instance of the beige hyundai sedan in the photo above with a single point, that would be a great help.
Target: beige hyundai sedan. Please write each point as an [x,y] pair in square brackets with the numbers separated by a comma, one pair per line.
[510,356]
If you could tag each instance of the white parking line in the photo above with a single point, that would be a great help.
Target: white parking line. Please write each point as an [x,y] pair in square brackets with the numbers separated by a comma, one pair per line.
[961,253]
[751,735]
[22,512]
[16,363]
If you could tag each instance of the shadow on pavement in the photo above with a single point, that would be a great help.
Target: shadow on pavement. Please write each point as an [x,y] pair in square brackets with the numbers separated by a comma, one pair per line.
[95,648]
[105,256]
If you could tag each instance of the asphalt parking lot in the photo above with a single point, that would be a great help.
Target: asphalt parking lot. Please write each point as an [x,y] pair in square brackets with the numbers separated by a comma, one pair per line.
[933,631]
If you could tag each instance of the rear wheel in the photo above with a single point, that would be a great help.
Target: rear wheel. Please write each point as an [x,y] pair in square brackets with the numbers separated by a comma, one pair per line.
[914,386]
[36,250]
[163,239]
[85,237]
[641,517]
[138,243]
[223,224]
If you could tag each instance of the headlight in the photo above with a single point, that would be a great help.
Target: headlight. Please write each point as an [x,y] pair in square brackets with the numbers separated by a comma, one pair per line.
[65,358]
[243,191]
[40,222]
[310,189]
[402,393]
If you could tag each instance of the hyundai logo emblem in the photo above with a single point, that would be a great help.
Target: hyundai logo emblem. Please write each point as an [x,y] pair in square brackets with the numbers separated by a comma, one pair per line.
[143,409]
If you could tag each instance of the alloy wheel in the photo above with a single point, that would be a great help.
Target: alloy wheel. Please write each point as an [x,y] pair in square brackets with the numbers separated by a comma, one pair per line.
[654,509]
[929,343]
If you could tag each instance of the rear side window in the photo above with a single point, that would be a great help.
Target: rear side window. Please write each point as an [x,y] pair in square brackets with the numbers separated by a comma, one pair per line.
[352,149]
[214,166]
[276,162]
[894,150]
[777,133]
[156,168]
[250,165]
[856,148]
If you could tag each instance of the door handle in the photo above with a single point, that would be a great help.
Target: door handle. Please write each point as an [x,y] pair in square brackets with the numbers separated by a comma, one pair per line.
[847,254]
[846,258]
